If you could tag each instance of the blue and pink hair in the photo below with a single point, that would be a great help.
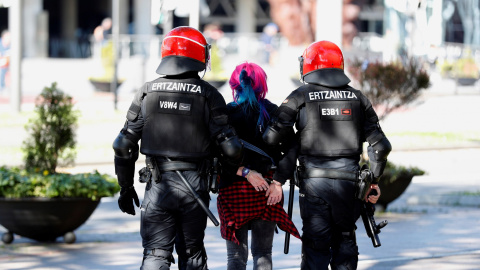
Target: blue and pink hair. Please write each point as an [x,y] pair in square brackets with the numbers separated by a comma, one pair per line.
[249,84]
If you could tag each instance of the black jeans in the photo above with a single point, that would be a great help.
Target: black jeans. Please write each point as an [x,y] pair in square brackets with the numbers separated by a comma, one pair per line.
[262,242]
[170,211]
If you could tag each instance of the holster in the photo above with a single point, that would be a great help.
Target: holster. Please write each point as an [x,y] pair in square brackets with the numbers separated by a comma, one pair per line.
[365,179]
[298,175]
[213,172]
[152,167]
[145,175]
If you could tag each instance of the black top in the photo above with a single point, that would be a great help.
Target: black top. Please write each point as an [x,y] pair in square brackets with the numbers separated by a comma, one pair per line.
[244,119]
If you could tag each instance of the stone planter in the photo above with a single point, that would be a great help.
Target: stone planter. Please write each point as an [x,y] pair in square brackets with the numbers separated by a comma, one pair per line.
[391,191]
[394,181]
[466,81]
[44,219]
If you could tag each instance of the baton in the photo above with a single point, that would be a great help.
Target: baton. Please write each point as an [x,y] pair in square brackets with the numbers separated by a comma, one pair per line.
[195,195]
[289,211]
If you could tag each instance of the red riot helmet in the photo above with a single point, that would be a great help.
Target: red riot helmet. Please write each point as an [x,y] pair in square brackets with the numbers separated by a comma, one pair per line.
[322,63]
[183,49]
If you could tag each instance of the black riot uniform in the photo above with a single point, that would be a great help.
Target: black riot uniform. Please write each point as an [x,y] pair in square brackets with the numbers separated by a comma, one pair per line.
[179,119]
[333,120]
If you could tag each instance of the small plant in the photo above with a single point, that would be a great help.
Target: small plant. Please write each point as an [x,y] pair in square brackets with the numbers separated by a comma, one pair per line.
[389,85]
[51,142]
[52,132]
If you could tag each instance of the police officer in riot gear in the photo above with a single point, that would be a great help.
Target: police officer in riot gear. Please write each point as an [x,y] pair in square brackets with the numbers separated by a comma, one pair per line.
[179,118]
[333,120]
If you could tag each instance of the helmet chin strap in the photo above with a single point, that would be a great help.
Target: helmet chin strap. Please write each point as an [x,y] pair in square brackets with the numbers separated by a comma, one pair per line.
[300,59]
[203,75]
[208,65]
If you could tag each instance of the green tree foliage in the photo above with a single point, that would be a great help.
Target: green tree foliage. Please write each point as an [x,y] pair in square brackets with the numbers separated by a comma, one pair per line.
[389,85]
[52,132]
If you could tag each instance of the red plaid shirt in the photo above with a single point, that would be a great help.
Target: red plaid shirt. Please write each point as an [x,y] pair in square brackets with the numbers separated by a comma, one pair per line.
[239,203]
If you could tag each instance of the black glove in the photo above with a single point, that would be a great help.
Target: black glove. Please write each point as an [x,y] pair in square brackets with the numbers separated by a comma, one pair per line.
[125,200]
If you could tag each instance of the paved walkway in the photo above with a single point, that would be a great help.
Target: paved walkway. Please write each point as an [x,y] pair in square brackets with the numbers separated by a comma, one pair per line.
[430,226]
[417,236]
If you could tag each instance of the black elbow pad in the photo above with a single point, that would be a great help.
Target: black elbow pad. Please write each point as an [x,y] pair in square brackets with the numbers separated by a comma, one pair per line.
[126,153]
[380,144]
[230,145]
[274,134]
[125,148]
[382,149]
[378,152]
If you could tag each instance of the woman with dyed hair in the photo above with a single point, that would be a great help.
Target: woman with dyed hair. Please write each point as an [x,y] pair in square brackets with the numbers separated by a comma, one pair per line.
[248,198]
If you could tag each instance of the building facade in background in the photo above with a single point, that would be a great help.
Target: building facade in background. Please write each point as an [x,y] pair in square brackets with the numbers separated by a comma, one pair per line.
[64,28]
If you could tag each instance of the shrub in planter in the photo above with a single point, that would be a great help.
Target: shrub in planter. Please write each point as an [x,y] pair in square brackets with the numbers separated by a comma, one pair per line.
[464,70]
[19,183]
[390,86]
[45,206]
[36,201]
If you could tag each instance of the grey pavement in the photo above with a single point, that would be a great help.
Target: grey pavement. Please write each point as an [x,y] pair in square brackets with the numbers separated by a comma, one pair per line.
[431,226]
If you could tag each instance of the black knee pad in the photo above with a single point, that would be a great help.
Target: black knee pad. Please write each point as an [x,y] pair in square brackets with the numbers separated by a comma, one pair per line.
[345,255]
[156,259]
[197,257]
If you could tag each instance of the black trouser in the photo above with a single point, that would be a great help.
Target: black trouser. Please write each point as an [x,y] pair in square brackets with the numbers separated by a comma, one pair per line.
[170,211]
[329,211]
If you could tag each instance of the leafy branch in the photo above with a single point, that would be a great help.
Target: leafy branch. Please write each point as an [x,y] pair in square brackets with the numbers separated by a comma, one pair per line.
[389,85]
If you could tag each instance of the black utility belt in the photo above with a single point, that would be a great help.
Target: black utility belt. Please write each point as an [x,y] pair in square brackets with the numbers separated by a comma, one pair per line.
[176,165]
[327,173]
[153,170]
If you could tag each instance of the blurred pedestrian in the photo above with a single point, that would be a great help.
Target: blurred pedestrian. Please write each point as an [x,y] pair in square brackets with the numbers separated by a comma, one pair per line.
[101,32]
[269,42]
[101,38]
[246,201]
[5,52]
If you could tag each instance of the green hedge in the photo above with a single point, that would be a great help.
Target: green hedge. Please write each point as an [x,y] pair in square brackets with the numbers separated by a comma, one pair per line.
[18,183]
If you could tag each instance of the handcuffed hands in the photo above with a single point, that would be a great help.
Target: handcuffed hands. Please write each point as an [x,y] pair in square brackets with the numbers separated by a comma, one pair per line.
[125,200]
[274,193]
[373,196]
[257,181]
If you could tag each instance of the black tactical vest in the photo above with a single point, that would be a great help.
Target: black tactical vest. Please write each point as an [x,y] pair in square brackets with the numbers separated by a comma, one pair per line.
[176,118]
[331,121]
